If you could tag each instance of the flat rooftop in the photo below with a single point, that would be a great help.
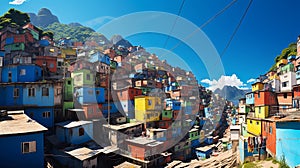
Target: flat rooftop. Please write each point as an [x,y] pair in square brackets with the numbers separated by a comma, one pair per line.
[127,165]
[73,124]
[122,126]
[19,123]
[141,140]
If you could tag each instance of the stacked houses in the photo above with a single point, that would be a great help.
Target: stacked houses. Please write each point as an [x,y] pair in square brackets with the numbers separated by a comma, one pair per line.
[269,116]
[101,102]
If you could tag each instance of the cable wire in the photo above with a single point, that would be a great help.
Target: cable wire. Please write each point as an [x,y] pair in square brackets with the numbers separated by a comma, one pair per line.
[236,29]
[203,25]
[173,26]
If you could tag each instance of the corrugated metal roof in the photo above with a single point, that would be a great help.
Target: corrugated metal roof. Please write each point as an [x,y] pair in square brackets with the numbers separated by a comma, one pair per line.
[19,123]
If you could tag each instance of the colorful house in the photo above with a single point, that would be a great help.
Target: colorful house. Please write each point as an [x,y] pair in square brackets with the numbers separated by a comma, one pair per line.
[296,97]
[47,63]
[285,100]
[83,77]
[68,89]
[127,93]
[89,95]
[254,126]
[288,80]
[171,104]
[21,73]
[281,63]
[257,86]
[74,132]
[147,108]
[265,98]
[283,138]
[23,139]
[250,98]
[141,147]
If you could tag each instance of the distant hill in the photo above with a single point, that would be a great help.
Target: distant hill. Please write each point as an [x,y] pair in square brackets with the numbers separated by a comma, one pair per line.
[75,31]
[231,93]
[43,18]
[118,40]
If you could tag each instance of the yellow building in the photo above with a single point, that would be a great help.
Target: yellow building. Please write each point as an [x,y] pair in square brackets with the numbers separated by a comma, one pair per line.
[281,62]
[257,86]
[254,126]
[261,111]
[147,108]
[68,53]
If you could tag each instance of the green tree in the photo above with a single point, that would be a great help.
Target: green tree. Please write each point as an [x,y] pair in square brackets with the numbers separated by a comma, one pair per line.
[14,17]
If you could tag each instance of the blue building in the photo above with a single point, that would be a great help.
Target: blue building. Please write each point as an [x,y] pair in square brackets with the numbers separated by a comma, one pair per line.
[126,107]
[250,98]
[113,108]
[43,115]
[172,104]
[90,95]
[288,142]
[204,152]
[74,132]
[21,73]
[98,56]
[22,141]
[37,98]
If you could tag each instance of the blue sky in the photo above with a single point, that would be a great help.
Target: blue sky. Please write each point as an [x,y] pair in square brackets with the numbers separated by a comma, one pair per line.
[268,28]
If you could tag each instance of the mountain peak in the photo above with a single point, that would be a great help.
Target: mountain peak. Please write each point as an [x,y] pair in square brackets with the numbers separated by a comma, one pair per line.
[43,18]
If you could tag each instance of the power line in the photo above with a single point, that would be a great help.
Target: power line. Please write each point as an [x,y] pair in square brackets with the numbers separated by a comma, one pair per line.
[237,28]
[173,26]
[203,25]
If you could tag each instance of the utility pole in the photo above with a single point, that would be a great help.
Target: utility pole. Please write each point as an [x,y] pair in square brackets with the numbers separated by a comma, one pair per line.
[108,96]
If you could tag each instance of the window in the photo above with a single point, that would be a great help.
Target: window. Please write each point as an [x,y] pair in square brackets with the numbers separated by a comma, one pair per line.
[9,74]
[31,92]
[285,95]
[166,113]
[97,92]
[258,95]
[45,91]
[58,91]
[23,72]
[90,110]
[88,77]
[16,92]
[257,123]
[46,114]
[69,82]
[270,130]
[29,147]
[149,102]
[285,84]
[81,132]
[250,121]
[90,92]
[259,110]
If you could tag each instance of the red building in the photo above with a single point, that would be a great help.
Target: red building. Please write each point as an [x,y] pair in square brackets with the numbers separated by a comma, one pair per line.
[265,98]
[127,93]
[296,97]
[49,62]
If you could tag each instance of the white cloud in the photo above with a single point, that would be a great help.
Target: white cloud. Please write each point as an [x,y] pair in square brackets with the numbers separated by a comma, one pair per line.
[97,22]
[232,80]
[17,2]
[251,80]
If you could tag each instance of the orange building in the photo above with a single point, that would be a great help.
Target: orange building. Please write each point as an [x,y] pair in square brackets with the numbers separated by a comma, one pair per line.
[269,131]
[285,99]
[91,111]
[265,98]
